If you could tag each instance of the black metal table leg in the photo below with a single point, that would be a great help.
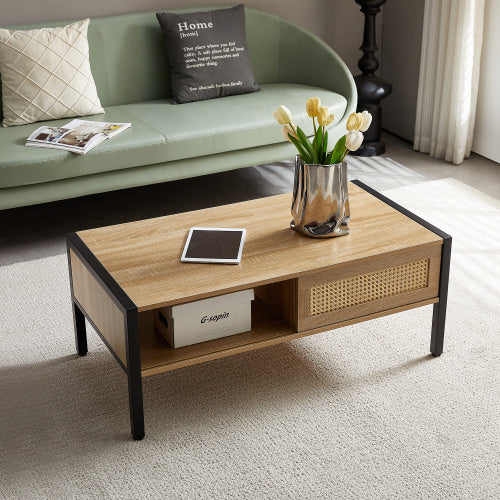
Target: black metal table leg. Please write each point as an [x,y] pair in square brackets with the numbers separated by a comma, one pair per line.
[80,331]
[134,376]
[78,316]
[132,367]
[439,313]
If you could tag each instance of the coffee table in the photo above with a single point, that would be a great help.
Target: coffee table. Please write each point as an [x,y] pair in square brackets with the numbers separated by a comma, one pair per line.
[391,261]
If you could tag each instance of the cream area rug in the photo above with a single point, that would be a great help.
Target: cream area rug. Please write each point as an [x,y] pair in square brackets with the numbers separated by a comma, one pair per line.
[360,412]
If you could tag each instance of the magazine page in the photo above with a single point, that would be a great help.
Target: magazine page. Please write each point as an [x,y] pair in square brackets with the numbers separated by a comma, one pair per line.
[48,134]
[78,136]
[71,139]
[107,128]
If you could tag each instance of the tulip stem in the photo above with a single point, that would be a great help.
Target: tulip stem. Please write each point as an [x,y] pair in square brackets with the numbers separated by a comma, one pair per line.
[323,140]
[314,125]
[345,154]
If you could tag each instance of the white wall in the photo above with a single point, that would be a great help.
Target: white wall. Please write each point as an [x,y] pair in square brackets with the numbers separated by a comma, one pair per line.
[486,132]
[339,23]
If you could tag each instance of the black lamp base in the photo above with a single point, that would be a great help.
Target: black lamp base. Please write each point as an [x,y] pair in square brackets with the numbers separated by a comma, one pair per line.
[371,88]
[369,149]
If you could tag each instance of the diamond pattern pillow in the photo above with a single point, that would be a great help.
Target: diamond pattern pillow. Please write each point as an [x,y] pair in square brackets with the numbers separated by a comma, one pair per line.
[46,74]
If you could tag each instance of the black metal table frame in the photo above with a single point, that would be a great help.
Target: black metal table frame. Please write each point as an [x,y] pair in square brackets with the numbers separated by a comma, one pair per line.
[129,309]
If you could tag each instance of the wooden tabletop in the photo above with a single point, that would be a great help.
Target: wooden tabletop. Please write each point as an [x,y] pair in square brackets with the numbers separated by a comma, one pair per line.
[144,256]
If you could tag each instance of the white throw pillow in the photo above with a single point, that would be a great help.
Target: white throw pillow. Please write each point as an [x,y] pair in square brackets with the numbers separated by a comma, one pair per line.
[46,74]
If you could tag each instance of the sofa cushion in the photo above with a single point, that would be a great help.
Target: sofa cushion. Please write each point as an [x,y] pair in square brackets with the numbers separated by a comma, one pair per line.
[46,74]
[207,54]
[163,132]
[21,165]
[235,122]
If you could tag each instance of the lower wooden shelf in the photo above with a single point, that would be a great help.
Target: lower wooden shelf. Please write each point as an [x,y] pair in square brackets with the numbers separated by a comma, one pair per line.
[158,357]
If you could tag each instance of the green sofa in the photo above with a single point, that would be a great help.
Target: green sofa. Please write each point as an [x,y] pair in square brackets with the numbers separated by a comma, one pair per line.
[168,141]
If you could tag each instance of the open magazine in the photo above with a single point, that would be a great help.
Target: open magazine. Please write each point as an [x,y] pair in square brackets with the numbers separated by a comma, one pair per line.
[78,136]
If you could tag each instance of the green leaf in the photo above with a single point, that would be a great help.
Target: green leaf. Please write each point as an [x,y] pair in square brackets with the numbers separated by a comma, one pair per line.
[338,151]
[307,145]
[317,139]
[320,149]
[317,143]
[324,148]
[300,148]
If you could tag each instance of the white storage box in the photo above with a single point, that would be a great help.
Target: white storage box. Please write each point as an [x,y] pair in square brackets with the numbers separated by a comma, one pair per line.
[206,319]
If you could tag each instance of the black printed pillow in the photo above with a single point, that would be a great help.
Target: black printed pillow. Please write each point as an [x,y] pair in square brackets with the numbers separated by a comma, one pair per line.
[207,54]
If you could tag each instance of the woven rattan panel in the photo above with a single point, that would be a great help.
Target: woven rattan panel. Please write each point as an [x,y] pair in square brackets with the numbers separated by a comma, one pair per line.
[356,290]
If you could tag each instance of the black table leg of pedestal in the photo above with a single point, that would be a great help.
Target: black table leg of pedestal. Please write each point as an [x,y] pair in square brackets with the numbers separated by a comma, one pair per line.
[371,89]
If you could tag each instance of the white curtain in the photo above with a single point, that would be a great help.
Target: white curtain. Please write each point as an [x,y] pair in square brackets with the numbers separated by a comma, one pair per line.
[449,76]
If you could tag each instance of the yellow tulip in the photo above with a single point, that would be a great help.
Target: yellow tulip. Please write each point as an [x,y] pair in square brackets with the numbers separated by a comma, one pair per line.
[354,121]
[324,117]
[282,115]
[312,106]
[288,129]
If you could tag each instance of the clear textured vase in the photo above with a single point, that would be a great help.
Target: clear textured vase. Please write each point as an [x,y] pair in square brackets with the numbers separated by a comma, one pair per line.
[320,205]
